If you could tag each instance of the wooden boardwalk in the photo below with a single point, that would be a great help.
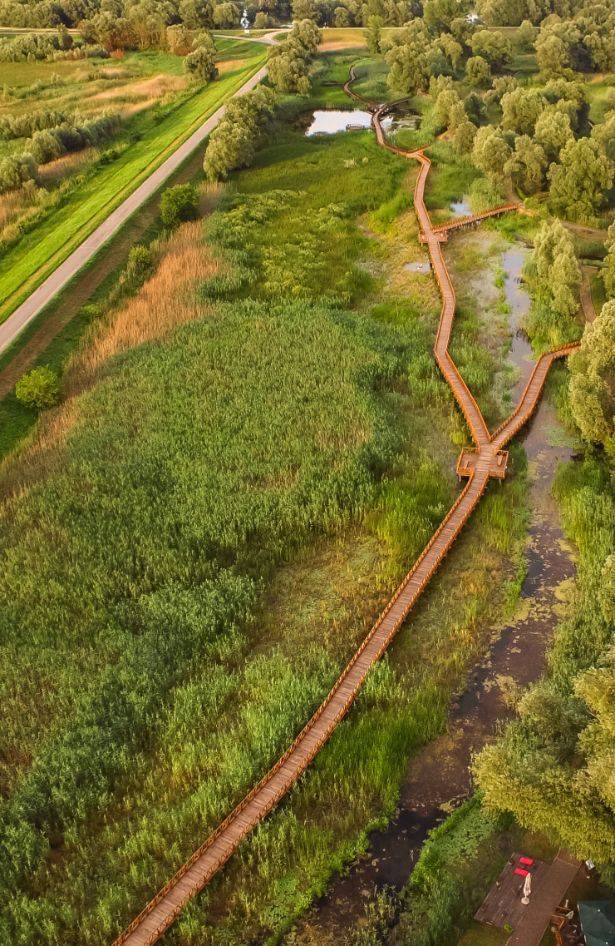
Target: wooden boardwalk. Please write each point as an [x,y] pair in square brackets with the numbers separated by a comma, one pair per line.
[484,462]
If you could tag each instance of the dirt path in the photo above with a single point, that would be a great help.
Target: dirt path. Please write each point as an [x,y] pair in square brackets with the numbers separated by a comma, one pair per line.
[587,302]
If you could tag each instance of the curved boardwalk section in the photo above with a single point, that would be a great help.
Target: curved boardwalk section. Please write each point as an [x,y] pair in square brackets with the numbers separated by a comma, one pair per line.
[479,465]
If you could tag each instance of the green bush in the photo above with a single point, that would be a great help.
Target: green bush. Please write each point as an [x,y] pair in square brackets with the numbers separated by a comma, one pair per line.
[178,204]
[139,263]
[38,388]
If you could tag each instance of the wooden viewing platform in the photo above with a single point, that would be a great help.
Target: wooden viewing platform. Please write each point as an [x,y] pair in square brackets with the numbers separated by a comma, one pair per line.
[503,906]
[486,461]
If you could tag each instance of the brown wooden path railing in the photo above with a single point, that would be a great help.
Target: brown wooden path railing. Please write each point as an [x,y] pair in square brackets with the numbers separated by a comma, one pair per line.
[461,222]
[198,870]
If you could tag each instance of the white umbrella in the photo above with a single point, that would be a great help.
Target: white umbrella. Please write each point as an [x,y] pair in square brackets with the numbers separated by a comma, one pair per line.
[527,889]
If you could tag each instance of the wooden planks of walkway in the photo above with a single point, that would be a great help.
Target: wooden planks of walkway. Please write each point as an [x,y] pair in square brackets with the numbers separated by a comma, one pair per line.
[486,462]
[554,884]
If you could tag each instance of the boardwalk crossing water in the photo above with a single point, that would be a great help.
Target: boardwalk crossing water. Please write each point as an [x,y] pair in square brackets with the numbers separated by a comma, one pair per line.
[487,460]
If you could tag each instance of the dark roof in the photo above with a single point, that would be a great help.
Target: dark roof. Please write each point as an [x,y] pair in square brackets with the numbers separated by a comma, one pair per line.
[598,922]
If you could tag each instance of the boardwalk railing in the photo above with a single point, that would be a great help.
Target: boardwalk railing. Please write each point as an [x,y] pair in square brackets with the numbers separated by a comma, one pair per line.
[487,461]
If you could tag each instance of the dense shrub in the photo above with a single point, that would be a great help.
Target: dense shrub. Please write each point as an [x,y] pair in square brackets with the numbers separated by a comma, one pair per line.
[26,124]
[29,47]
[15,170]
[201,62]
[39,388]
[50,143]
[178,203]
[154,571]
[449,880]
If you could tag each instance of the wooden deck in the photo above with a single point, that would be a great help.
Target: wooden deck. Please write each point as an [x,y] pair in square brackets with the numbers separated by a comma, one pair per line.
[553,888]
[485,463]
[502,906]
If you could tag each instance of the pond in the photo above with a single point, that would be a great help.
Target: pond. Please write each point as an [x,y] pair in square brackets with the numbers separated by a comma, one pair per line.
[330,121]
[461,208]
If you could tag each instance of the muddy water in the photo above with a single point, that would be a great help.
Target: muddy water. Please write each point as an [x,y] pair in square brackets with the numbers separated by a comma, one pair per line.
[438,778]
[520,354]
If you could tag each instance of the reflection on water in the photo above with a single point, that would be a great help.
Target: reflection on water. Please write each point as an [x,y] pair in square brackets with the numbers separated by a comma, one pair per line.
[461,208]
[330,121]
[520,354]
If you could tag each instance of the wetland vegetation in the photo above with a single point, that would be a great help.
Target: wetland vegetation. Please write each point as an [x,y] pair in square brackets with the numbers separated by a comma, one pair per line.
[252,447]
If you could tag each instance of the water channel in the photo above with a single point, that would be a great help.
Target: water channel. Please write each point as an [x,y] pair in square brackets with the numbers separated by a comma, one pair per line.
[438,778]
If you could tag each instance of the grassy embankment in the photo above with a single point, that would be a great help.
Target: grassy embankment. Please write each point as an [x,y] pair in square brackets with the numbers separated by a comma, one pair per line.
[208,613]
[54,334]
[39,251]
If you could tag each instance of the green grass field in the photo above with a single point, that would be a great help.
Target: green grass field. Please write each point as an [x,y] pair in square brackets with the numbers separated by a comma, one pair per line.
[39,251]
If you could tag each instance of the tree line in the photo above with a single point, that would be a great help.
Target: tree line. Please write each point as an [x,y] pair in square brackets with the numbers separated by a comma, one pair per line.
[47,144]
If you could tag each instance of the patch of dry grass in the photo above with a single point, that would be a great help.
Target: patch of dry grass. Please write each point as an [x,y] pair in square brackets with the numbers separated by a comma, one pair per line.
[152,88]
[68,164]
[166,300]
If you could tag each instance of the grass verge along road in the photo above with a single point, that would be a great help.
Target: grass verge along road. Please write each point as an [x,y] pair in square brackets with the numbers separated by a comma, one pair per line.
[34,271]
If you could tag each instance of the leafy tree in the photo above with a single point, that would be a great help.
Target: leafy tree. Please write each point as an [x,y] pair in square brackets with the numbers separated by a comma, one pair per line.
[373,35]
[475,107]
[557,270]
[463,137]
[521,109]
[492,46]
[38,388]
[201,62]
[196,14]
[341,17]
[499,87]
[604,134]
[592,393]
[233,143]
[579,184]
[451,50]
[179,203]
[608,270]
[526,34]
[16,170]
[478,71]
[569,97]
[140,262]
[443,105]
[438,14]
[305,10]
[289,63]
[557,45]
[179,40]
[491,153]
[45,147]
[262,21]
[409,60]
[457,115]
[226,15]
[527,165]
[553,131]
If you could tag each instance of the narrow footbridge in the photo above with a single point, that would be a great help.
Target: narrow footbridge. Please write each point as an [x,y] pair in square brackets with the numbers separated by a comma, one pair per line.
[486,460]
[463,223]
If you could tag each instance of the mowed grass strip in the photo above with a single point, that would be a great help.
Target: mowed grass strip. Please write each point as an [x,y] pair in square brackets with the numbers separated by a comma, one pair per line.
[26,265]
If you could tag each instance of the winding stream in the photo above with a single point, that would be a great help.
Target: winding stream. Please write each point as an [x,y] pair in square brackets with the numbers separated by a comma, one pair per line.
[438,777]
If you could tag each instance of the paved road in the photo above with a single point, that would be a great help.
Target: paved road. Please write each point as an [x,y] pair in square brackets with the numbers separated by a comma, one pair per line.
[51,286]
